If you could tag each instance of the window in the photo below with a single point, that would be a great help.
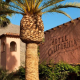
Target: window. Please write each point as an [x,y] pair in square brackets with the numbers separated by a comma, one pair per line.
[4,47]
[13,46]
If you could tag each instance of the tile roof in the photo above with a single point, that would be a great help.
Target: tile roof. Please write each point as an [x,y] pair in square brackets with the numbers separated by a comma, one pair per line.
[10,35]
[15,34]
[11,28]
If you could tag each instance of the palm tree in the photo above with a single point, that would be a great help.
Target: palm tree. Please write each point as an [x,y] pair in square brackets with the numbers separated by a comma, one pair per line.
[4,21]
[32,28]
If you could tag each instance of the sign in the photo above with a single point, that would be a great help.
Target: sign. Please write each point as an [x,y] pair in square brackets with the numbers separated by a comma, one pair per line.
[62,44]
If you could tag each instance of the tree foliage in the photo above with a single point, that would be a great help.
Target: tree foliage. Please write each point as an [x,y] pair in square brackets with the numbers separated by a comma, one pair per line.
[4,21]
[37,7]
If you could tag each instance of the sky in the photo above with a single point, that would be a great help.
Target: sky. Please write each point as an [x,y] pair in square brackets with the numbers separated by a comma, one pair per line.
[51,20]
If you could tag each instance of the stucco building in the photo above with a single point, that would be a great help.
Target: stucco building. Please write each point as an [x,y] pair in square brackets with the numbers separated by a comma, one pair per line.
[62,43]
[12,49]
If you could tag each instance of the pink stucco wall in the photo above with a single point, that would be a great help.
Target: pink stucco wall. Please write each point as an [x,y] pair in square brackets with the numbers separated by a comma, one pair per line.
[12,58]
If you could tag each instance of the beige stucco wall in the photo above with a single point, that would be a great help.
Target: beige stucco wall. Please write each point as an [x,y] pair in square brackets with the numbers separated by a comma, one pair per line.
[12,58]
[22,53]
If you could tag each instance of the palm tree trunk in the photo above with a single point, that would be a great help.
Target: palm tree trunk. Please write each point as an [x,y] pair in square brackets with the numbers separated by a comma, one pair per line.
[31,62]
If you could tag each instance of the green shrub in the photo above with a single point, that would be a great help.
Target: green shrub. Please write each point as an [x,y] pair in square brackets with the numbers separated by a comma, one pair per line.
[4,75]
[21,73]
[45,72]
[60,71]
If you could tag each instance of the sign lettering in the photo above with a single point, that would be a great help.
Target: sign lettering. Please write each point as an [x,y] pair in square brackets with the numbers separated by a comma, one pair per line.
[60,44]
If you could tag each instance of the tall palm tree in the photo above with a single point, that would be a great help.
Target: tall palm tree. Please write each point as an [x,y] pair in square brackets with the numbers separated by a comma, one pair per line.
[4,21]
[32,28]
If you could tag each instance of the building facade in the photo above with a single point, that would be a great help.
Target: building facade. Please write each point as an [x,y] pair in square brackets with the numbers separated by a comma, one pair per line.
[11,32]
[10,51]
[62,43]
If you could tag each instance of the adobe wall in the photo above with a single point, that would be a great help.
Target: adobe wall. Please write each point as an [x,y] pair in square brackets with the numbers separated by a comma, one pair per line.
[14,29]
[62,43]
[12,58]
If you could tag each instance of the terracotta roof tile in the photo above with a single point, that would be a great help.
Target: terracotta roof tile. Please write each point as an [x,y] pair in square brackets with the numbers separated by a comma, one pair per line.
[65,24]
[78,18]
[59,26]
[54,29]
[10,35]
[16,34]
[72,21]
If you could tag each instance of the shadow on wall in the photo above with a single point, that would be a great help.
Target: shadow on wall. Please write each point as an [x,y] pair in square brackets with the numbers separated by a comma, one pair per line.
[11,60]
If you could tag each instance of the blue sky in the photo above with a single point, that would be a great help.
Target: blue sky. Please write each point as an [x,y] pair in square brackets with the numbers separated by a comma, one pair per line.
[51,20]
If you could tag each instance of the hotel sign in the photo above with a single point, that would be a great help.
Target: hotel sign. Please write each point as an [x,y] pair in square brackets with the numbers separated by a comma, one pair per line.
[62,44]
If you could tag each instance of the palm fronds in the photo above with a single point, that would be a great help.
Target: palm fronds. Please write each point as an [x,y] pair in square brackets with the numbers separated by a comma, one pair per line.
[4,21]
[37,7]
